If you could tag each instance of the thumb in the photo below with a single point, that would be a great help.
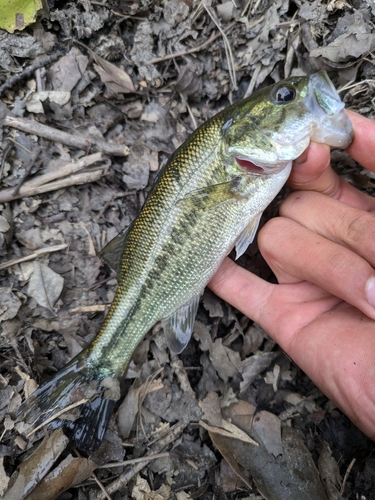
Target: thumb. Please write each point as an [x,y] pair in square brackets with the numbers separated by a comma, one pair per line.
[312,171]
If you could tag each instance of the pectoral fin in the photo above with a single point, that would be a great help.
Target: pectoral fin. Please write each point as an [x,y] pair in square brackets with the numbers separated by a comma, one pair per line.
[178,327]
[212,196]
[247,236]
[113,251]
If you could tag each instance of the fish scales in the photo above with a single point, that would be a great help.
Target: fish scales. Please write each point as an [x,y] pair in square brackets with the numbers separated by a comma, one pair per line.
[207,199]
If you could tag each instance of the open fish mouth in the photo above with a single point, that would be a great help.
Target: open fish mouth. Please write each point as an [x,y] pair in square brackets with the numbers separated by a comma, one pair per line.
[332,125]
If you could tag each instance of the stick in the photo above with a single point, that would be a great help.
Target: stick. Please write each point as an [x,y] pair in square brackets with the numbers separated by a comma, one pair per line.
[53,134]
[27,190]
[40,63]
[34,255]
[132,461]
[68,169]
[194,49]
[121,481]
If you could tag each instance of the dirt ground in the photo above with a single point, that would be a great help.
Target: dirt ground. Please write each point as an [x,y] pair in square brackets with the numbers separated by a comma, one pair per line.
[95,96]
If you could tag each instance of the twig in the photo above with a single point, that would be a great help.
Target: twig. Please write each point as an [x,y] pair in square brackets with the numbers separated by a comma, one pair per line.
[194,49]
[96,479]
[121,481]
[132,461]
[40,63]
[348,470]
[191,115]
[32,256]
[228,50]
[247,7]
[88,309]
[68,169]
[99,483]
[253,80]
[58,414]
[351,85]
[55,135]
[73,180]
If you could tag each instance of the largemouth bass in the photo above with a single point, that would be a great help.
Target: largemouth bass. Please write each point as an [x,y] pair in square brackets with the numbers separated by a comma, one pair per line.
[207,200]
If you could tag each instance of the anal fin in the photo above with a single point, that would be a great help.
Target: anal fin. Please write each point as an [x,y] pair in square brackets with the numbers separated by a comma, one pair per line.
[178,327]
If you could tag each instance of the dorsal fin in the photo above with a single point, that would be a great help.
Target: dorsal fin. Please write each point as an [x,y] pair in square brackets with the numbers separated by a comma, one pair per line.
[113,251]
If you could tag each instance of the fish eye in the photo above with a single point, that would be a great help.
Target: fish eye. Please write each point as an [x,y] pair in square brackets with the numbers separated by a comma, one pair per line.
[284,94]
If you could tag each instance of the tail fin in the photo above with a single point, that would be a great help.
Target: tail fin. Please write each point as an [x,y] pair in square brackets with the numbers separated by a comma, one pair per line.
[79,388]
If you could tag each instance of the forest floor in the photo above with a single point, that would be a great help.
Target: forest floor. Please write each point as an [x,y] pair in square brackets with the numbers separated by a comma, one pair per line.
[95,97]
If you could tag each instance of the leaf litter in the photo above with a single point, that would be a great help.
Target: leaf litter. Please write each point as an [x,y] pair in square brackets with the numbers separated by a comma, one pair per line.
[132,80]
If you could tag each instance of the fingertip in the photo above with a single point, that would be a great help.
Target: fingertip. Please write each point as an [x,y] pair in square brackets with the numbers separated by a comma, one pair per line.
[241,288]
[363,146]
[309,169]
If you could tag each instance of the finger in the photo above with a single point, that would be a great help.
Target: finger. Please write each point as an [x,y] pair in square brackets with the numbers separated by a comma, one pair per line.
[334,220]
[293,251]
[270,305]
[245,291]
[336,350]
[363,146]
[312,172]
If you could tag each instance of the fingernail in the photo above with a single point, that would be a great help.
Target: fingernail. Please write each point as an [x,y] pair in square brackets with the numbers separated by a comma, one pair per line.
[370,291]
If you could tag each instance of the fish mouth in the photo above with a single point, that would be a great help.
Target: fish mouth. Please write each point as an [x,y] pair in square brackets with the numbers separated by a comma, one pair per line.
[332,125]
[249,166]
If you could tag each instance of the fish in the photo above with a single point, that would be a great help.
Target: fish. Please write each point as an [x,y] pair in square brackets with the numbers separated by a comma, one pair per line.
[206,200]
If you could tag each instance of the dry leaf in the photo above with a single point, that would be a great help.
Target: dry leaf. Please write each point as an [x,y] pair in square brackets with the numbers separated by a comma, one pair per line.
[45,285]
[37,465]
[114,78]
[9,304]
[211,408]
[225,360]
[254,365]
[68,473]
[228,430]
[345,46]
[268,427]
[4,479]
[330,473]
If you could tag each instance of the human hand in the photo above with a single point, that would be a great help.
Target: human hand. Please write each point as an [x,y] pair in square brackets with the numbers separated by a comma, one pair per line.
[322,251]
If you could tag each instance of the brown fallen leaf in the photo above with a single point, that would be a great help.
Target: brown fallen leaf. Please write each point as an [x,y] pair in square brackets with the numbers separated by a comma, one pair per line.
[291,475]
[9,305]
[45,285]
[228,430]
[68,473]
[4,479]
[37,465]
[114,78]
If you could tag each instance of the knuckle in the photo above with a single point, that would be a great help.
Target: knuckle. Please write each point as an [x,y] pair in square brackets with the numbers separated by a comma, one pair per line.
[272,234]
[361,230]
